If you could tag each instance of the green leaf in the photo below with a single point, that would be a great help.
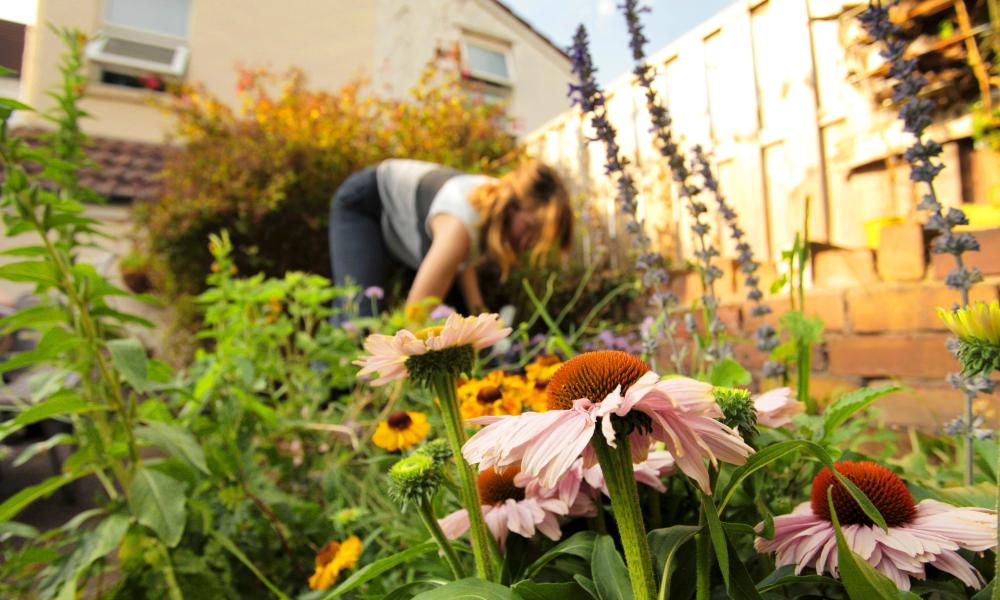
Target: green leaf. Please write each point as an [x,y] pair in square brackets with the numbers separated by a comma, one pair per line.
[176,440]
[405,591]
[43,314]
[981,495]
[63,403]
[663,545]
[158,502]
[987,592]
[850,404]
[717,534]
[16,503]
[373,570]
[755,462]
[579,544]
[587,584]
[860,579]
[608,571]
[728,373]
[12,529]
[786,576]
[105,538]
[529,590]
[30,271]
[228,544]
[43,446]
[469,588]
[129,358]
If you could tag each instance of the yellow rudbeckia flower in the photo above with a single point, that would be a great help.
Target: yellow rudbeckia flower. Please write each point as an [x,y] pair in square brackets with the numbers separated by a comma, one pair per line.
[334,558]
[402,430]
[978,321]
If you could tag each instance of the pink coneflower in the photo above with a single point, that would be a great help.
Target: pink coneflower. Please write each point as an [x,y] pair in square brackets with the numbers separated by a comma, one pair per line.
[928,533]
[511,503]
[589,388]
[775,408]
[649,472]
[388,355]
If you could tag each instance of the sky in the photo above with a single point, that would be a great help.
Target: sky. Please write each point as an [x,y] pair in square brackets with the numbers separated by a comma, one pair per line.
[558,19]
[668,20]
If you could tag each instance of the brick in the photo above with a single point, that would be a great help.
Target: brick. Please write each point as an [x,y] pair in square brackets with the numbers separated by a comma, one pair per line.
[827,388]
[908,355]
[828,305]
[686,285]
[765,272]
[843,268]
[987,260]
[906,307]
[902,254]
[929,405]
[747,354]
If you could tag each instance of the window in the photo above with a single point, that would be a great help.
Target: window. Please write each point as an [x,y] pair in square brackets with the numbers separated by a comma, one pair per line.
[142,41]
[487,60]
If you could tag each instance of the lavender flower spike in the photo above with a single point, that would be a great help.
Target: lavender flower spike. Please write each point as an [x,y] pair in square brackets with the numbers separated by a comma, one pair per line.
[586,94]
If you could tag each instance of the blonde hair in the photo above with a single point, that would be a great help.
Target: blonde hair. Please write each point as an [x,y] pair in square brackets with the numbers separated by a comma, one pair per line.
[533,186]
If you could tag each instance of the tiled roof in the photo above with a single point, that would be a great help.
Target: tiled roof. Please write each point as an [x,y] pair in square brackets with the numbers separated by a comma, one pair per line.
[123,170]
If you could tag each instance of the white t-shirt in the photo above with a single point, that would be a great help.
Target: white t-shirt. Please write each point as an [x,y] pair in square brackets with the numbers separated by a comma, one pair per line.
[397,186]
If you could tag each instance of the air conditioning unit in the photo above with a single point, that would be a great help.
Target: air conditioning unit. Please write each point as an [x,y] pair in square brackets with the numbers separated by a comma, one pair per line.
[138,52]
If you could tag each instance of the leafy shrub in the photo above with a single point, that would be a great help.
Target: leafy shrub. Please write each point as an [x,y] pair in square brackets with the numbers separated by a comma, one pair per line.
[267,171]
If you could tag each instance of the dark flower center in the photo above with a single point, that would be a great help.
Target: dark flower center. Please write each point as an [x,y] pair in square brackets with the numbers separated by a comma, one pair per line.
[593,375]
[400,420]
[883,487]
[541,384]
[496,487]
[489,395]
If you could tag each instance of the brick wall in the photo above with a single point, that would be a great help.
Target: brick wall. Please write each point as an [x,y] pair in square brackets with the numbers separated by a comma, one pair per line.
[880,322]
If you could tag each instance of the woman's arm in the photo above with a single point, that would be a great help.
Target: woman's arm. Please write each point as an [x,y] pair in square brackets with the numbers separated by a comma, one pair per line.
[469,284]
[449,247]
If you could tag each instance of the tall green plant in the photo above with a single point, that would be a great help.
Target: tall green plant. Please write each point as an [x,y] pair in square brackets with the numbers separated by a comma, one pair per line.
[84,371]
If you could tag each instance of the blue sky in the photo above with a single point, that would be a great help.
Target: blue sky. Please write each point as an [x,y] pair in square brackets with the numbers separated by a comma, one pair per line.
[669,20]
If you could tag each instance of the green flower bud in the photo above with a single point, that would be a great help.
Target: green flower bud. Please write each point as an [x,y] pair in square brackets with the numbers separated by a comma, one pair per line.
[451,361]
[414,478]
[737,410]
[439,450]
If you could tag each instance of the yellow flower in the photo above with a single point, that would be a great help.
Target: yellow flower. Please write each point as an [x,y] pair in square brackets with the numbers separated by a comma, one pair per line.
[977,321]
[402,430]
[332,559]
[416,313]
[490,396]
[538,374]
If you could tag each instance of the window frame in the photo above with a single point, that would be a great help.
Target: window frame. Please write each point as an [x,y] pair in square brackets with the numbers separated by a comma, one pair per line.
[491,44]
[96,50]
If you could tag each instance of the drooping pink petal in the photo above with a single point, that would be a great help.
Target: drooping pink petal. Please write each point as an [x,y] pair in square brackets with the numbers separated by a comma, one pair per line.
[455,524]
[775,408]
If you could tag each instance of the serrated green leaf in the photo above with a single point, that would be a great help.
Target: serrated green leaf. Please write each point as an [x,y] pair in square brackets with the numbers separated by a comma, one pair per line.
[176,440]
[158,502]
[728,373]
[34,316]
[63,403]
[16,503]
[129,358]
[850,404]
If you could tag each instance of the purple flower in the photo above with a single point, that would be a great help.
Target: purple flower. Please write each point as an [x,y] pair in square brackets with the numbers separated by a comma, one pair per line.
[441,311]
[374,293]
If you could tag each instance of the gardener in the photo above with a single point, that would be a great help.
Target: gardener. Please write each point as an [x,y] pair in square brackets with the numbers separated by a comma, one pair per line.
[443,224]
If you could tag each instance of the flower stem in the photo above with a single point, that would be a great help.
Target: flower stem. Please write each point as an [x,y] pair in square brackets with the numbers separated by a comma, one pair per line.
[616,463]
[703,559]
[444,386]
[426,512]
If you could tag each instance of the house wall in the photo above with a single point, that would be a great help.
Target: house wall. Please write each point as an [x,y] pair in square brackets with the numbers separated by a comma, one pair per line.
[332,41]
[776,90]
[408,32]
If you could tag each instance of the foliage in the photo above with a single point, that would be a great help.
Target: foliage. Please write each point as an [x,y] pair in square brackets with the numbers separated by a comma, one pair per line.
[267,171]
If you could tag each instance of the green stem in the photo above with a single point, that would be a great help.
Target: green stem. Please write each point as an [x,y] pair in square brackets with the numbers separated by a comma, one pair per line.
[444,386]
[996,551]
[426,512]
[703,559]
[804,367]
[616,463]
